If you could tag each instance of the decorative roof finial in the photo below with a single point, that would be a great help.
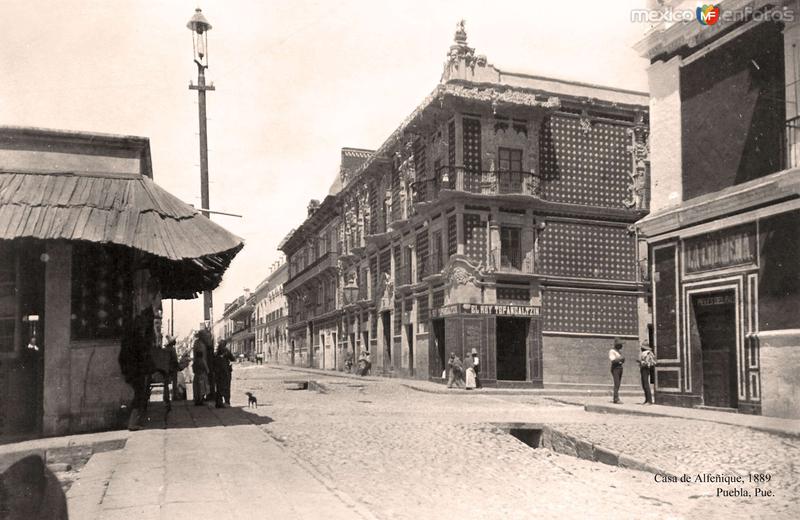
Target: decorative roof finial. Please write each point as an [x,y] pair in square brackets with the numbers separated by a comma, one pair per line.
[460,37]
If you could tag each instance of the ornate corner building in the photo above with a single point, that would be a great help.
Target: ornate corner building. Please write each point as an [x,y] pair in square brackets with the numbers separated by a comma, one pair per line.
[497,217]
[724,231]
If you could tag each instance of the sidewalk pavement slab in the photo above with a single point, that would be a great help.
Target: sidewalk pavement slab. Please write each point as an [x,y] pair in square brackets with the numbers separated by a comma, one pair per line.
[773,425]
[230,469]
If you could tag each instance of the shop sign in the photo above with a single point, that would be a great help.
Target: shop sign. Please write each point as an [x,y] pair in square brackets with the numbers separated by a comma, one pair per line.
[486,309]
[710,301]
[728,248]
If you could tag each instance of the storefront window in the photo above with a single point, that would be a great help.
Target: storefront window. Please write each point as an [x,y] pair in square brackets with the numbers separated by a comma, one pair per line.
[101,291]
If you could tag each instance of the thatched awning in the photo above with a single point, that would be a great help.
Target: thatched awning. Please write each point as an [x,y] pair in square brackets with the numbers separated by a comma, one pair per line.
[189,250]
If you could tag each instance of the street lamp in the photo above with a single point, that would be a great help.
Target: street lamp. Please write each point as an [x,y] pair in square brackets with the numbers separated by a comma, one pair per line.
[200,27]
[350,292]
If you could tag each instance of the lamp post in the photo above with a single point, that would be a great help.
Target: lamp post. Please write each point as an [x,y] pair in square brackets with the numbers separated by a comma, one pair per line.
[200,27]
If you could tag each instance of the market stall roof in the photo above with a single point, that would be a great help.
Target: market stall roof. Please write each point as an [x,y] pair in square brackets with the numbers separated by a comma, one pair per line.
[131,210]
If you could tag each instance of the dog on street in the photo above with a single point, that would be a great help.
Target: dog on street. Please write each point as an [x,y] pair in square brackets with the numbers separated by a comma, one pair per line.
[251,400]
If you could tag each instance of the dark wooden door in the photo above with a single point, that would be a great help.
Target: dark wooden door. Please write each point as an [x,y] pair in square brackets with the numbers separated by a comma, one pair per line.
[715,318]
[21,316]
[410,334]
[437,358]
[512,335]
[387,339]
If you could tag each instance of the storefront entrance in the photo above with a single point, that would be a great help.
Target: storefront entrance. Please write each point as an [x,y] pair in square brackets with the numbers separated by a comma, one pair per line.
[439,362]
[386,320]
[21,316]
[410,339]
[714,331]
[512,334]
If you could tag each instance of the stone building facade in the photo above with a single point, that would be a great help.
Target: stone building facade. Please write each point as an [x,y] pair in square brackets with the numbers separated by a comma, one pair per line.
[271,316]
[724,232]
[237,318]
[496,218]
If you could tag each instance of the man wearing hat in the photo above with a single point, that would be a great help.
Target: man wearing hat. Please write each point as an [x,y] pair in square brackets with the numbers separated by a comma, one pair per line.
[617,360]
[647,360]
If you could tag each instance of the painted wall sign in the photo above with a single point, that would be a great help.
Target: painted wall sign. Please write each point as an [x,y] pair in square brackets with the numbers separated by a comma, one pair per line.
[486,308]
[726,248]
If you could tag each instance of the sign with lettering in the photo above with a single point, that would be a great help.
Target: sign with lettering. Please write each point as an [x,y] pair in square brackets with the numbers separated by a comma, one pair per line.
[486,308]
[721,249]
[720,299]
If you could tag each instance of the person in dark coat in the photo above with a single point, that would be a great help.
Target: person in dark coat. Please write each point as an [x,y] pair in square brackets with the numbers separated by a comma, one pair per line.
[200,366]
[135,363]
[222,373]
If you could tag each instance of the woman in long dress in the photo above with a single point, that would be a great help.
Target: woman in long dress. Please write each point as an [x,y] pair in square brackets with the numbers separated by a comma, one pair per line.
[471,382]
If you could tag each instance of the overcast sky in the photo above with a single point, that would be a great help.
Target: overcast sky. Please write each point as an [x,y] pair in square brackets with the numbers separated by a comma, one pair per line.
[296,81]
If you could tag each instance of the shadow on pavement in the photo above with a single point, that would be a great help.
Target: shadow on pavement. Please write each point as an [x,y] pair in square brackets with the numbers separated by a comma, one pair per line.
[30,491]
[184,414]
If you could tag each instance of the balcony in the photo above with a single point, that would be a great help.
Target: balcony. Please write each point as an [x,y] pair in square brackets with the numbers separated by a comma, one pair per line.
[433,265]
[791,157]
[511,258]
[318,266]
[458,178]
[402,275]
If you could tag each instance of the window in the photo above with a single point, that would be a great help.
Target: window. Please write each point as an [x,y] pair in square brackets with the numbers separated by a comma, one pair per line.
[101,286]
[510,247]
[510,159]
[437,259]
[510,170]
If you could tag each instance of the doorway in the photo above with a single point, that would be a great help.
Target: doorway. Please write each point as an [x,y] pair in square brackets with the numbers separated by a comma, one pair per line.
[438,338]
[714,320]
[21,317]
[386,320]
[410,337]
[512,335]
[336,350]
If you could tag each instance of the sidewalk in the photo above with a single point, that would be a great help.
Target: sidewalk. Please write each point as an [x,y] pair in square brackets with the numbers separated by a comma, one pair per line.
[205,462]
[440,388]
[773,425]
[70,448]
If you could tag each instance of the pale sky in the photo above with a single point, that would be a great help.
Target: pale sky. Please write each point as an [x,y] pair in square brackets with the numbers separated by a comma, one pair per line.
[296,81]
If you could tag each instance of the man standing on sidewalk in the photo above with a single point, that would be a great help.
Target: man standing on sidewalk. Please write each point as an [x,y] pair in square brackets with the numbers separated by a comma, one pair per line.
[617,360]
[646,363]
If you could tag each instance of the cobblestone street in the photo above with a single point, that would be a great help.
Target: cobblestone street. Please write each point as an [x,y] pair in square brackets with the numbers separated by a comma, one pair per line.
[407,454]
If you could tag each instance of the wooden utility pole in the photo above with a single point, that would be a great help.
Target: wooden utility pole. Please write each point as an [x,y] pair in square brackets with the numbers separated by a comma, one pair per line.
[201,88]
[200,27]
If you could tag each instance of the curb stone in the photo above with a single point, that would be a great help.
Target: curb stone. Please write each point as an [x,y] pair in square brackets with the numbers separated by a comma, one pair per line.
[606,455]
[560,442]
[71,454]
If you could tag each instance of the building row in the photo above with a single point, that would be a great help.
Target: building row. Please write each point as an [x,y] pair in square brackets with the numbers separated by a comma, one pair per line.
[532,220]
[255,323]
[497,218]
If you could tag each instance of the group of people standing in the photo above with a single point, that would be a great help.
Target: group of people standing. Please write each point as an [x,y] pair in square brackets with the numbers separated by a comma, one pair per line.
[464,373]
[212,370]
[646,362]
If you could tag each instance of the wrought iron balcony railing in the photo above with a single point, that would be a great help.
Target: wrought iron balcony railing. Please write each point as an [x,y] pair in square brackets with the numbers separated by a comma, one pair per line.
[511,258]
[459,178]
[402,275]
